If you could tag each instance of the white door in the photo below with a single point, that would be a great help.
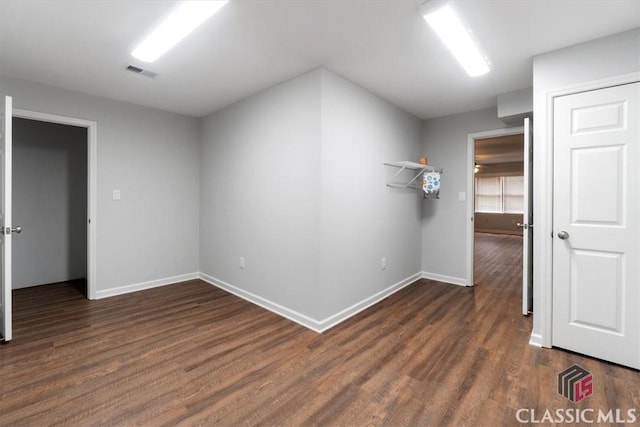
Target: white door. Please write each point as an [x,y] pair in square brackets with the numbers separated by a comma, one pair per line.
[527,222]
[5,217]
[596,222]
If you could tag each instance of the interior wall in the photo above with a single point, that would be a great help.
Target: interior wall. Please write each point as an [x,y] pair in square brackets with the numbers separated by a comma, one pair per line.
[49,202]
[260,195]
[565,69]
[497,223]
[293,181]
[444,220]
[152,157]
[513,107]
[363,220]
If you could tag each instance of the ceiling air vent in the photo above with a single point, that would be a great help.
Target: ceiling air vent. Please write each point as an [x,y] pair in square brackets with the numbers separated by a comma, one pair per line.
[140,71]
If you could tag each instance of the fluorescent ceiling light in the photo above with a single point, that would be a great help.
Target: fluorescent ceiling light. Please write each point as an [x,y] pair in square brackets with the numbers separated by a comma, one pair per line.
[454,35]
[185,18]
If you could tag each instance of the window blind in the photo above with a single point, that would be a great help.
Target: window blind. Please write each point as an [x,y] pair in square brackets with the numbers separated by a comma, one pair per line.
[499,194]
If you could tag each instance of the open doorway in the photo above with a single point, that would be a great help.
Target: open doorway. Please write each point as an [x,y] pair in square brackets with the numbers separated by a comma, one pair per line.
[498,206]
[50,203]
[494,206]
[499,185]
[54,182]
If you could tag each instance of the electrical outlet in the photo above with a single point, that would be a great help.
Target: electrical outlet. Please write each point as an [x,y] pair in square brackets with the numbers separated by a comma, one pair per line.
[383,264]
[242,262]
[116,194]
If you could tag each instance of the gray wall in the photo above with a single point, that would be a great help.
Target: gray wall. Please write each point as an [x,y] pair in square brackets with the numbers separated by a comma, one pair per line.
[362,219]
[292,180]
[513,107]
[152,157]
[260,194]
[445,220]
[49,202]
[603,58]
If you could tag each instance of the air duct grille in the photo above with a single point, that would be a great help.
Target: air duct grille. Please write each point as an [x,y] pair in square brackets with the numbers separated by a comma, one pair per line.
[142,72]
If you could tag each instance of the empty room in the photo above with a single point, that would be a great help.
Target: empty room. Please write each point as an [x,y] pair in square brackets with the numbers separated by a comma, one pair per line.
[319,213]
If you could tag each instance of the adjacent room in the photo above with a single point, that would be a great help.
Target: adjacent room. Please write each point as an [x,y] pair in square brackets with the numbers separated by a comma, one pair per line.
[499,204]
[319,212]
[50,198]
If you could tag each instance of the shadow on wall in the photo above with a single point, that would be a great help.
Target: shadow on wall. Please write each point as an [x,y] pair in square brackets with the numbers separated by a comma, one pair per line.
[429,207]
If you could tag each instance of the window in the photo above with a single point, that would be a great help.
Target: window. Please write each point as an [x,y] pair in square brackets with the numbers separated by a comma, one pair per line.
[489,194]
[512,194]
[500,194]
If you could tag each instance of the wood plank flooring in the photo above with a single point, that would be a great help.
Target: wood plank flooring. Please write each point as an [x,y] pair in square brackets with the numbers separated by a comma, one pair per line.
[190,354]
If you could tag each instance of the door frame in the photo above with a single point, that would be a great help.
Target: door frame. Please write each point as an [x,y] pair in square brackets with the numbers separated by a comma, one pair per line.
[92,162]
[543,205]
[471,158]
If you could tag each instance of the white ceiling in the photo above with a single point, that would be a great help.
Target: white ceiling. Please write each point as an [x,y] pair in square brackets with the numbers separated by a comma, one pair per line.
[501,149]
[384,46]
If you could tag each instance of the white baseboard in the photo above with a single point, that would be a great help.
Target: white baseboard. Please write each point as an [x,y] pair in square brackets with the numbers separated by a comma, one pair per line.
[280,310]
[356,308]
[304,320]
[536,339]
[445,279]
[145,285]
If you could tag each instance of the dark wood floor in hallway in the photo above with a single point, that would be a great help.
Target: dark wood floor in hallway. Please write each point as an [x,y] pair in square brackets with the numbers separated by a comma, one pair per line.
[190,354]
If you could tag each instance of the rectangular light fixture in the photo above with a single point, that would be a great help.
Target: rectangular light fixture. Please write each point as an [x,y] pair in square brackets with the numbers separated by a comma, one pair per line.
[455,36]
[185,18]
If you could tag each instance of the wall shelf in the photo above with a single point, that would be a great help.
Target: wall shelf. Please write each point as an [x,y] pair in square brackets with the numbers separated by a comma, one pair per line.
[416,170]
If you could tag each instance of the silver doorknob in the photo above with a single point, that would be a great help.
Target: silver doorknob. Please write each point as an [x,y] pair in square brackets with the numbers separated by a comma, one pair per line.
[563,235]
[9,230]
[522,226]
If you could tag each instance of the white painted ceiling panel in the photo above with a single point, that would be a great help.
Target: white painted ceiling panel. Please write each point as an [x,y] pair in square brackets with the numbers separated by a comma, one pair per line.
[384,46]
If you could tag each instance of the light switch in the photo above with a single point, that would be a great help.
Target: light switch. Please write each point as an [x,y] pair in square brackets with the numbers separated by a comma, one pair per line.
[462,196]
[116,194]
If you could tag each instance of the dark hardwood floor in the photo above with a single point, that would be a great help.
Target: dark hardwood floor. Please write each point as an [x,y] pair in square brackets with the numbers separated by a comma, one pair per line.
[191,354]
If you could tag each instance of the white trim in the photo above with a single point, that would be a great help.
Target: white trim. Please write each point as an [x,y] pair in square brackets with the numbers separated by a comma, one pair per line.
[471,157]
[146,285]
[470,216]
[536,340]
[6,308]
[460,281]
[348,312]
[302,319]
[276,308]
[543,206]
[92,185]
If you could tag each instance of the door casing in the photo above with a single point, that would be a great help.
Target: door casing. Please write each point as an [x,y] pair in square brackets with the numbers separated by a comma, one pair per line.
[543,208]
